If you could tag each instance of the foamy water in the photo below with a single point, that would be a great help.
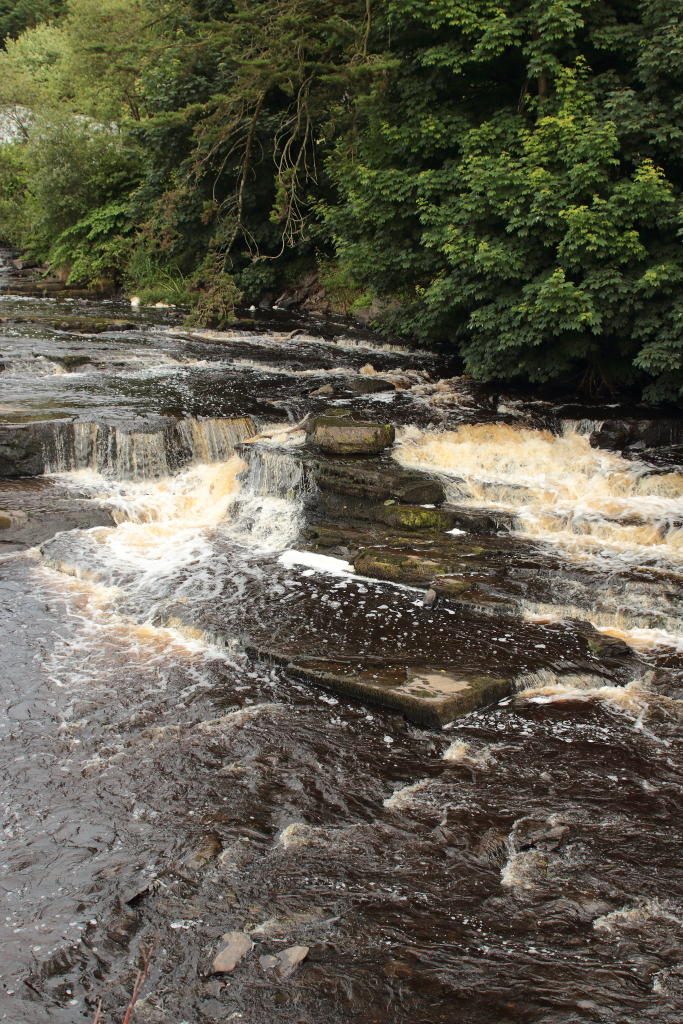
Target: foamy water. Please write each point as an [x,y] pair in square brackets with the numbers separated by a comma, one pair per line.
[588,502]
[508,858]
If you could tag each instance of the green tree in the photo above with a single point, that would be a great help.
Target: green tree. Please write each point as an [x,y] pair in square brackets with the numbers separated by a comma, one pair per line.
[18,15]
[517,186]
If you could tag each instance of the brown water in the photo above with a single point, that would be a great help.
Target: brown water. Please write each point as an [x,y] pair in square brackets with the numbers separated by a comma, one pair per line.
[521,865]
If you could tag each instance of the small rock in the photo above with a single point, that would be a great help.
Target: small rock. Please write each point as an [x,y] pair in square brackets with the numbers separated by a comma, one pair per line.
[267,962]
[326,389]
[214,988]
[367,385]
[429,599]
[290,958]
[237,945]
[5,522]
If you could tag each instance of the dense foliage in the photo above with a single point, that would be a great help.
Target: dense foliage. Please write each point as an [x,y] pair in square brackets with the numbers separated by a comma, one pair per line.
[501,179]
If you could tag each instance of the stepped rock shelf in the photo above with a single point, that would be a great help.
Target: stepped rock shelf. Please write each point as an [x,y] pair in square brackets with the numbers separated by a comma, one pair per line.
[427,667]
[448,604]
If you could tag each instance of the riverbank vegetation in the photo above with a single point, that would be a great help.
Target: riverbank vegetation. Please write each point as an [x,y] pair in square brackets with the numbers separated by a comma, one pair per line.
[503,180]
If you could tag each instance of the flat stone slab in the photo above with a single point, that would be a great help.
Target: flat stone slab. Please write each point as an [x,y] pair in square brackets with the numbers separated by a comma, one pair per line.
[377,481]
[32,511]
[426,695]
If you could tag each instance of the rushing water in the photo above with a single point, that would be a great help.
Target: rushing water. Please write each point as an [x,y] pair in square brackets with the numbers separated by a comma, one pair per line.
[162,783]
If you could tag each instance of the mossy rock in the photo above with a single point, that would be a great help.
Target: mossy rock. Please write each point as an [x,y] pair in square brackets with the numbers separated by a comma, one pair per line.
[5,521]
[401,567]
[414,517]
[605,646]
[77,326]
[449,586]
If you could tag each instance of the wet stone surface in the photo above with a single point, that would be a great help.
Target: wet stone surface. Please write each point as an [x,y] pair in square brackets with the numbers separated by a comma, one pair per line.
[207,728]
[499,870]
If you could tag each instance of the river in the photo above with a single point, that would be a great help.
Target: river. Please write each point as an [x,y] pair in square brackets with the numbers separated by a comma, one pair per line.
[167,781]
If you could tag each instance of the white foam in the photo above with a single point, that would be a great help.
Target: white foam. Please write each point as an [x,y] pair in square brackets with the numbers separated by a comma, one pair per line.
[321,563]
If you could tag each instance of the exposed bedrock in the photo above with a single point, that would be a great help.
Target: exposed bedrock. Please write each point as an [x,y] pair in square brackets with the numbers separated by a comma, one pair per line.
[637,434]
[377,481]
[136,449]
[366,511]
[34,510]
[22,448]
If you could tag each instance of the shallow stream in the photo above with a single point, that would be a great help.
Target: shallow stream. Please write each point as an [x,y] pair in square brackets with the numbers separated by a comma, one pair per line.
[164,783]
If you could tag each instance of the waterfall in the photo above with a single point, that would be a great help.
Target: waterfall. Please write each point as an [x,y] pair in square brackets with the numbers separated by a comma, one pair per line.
[144,454]
[590,502]
[269,509]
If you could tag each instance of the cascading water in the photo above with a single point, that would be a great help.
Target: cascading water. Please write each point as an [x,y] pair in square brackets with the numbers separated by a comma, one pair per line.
[521,865]
[598,510]
[128,454]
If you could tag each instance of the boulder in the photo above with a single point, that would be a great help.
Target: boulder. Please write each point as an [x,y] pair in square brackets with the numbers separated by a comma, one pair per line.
[291,958]
[299,291]
[338,432]
[286,961]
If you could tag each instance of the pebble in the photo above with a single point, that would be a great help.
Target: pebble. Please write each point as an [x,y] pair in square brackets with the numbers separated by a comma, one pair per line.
[238,944]
[286,961]
[290,958]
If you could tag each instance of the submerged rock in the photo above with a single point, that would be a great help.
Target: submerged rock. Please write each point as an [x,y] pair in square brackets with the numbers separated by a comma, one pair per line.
[340,433]
[404,566]
[75,325]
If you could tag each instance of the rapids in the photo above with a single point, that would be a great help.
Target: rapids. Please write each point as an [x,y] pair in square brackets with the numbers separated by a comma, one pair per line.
[166,782]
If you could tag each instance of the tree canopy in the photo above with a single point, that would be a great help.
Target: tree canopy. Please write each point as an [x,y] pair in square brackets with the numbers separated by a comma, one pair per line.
[504,178]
